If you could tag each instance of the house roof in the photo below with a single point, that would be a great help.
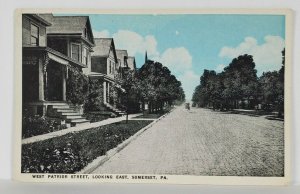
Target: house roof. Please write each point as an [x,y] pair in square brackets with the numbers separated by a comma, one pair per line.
[131,62]
[103,47]
[40,19]
[68,25]
[121,54]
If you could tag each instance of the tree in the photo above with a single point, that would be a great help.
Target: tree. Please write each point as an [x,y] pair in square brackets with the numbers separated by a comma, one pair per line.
[240,81]
[156,85]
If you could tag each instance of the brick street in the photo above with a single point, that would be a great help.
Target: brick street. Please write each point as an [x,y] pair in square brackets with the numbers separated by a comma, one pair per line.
[204,142]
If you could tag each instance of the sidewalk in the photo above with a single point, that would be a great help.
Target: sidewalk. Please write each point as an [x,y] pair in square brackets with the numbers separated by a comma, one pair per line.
[77,128]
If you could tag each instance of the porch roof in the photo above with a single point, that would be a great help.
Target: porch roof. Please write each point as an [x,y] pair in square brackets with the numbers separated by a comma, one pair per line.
[101,75]
[55,55]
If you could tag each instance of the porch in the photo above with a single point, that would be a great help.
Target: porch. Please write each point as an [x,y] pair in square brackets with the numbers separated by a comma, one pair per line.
[108,85]
[45,72]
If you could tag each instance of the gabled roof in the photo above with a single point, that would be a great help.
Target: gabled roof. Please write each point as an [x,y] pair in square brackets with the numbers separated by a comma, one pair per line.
[131,62]
[71,25]
[39,19]
[121,54]
[103,46]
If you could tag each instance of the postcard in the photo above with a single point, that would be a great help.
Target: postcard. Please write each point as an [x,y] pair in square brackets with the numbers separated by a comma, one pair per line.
[153,96]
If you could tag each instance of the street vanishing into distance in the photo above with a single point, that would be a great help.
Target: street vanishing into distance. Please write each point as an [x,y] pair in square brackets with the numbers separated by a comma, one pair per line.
[204,142]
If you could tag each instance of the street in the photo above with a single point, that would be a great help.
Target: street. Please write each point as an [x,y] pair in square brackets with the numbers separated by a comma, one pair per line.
[204,142]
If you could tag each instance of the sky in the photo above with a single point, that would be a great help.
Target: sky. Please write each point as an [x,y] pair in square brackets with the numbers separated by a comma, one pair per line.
[189,43]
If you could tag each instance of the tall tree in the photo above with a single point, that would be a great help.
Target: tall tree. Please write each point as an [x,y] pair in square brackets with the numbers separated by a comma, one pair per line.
[240,80]
[157,85]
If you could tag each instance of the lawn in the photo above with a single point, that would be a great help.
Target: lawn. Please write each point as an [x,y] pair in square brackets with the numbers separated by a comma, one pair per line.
[150,116]
[147,115]
[72,152]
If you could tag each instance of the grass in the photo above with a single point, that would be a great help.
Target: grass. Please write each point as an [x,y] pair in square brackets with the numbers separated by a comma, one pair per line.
[72,152]
[147,115]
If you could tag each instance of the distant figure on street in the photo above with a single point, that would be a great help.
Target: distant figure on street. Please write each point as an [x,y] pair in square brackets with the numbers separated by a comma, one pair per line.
[187,106]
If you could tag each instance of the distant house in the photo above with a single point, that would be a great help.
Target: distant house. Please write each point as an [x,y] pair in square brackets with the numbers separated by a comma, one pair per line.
[122,56]
[131,63]
[52,44]
[103,65]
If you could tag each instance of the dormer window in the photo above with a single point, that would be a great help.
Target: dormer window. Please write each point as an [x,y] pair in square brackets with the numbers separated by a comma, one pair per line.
[34,32]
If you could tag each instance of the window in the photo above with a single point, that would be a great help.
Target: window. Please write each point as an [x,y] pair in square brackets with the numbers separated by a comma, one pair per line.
[109,67]
[34,32]
[75,48]
[85,56]
[85,32]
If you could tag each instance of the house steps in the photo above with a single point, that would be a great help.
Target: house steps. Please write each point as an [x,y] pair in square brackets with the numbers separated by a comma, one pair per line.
[115,110]
[69,114]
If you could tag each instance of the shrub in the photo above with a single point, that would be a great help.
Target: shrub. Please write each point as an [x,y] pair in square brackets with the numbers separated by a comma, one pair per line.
[37,125]
[77,86]
[96,117]
[94,100]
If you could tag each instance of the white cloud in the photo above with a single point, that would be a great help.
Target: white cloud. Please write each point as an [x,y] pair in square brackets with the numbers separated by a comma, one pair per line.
[267,56]
[135,43]
[220,68]
[176,32]
[177,59]
[101,34]
[189,81]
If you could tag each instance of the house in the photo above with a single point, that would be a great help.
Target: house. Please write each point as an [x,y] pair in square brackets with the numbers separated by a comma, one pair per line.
[104,68]
[103,65]
[131,63]
[51,45]
[71,36]
[122,56]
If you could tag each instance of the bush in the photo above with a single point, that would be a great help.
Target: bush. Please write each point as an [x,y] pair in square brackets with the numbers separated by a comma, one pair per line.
[96,117]
[94,100]
[77,86]
[37,125]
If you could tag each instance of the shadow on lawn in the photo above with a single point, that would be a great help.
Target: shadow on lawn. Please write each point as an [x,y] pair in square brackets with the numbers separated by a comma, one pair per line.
[253,113]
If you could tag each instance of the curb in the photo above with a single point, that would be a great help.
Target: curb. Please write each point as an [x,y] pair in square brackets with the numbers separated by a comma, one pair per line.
[102,159]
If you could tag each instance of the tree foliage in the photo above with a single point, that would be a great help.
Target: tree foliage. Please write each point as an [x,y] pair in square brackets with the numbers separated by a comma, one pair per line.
[94,100]
[77,86]
[153,83]
[239,87]
[157,85]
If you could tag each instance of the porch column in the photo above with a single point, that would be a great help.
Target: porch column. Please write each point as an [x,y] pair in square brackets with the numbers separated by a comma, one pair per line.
[108,99]
[64,88]
[41,80]
[104,91]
